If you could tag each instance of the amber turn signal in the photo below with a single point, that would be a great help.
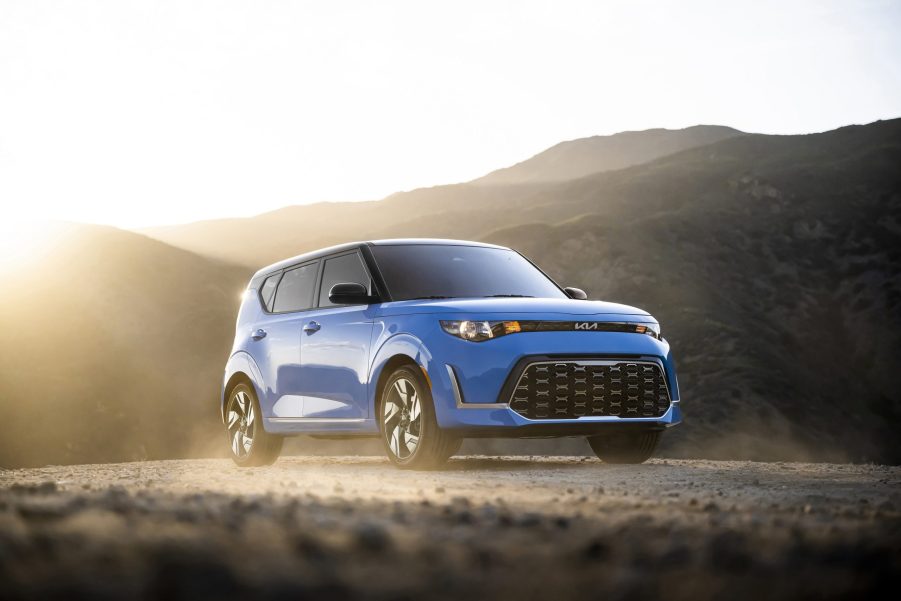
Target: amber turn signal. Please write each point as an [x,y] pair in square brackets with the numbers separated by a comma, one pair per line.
[511,327]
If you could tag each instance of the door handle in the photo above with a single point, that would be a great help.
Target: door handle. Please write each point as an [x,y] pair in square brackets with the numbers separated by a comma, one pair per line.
[312,327]
[259,334]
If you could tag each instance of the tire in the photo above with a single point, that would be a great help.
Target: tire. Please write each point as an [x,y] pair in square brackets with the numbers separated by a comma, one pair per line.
[625,448]
[249,444]
[454,447]
[409,430]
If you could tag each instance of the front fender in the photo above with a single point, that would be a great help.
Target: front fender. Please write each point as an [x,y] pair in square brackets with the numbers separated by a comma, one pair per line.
[241,362]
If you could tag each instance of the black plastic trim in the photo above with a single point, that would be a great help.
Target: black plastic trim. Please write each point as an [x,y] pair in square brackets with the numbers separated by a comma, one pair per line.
[513,377]
[575,428]
[376,273]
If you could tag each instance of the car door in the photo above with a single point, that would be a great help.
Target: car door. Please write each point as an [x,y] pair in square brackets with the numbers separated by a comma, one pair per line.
[278,340]
[335,346]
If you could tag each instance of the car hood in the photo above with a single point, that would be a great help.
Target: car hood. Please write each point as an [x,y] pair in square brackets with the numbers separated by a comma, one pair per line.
[507,306]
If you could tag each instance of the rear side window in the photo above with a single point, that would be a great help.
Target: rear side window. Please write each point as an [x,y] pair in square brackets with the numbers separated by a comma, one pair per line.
[267,290]
[295,291]
[346,269]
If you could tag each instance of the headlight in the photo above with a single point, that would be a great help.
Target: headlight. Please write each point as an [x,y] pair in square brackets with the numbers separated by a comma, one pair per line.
[651,329]
[477,331]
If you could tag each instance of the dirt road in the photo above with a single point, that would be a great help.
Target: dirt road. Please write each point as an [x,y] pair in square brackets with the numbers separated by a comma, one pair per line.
[535,528]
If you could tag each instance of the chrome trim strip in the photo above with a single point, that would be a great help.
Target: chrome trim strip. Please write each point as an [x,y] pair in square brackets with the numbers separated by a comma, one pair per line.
[318,420]
[597,418]
[458,396]
[601,418]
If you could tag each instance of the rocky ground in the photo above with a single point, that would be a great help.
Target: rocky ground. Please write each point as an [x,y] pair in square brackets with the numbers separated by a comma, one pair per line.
[343,527]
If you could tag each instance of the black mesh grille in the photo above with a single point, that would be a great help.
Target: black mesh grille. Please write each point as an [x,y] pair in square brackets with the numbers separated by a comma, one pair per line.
[573,389]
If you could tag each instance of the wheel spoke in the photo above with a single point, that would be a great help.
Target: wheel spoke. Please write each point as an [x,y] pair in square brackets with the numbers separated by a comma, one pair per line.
[402,442]
[402,418]
[410,441]
[240,419]
[392,410]
[414,407]
[415,428]
[394,441]
[401,391]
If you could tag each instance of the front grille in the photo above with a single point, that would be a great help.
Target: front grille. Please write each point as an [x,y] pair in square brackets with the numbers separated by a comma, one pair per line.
[574,389]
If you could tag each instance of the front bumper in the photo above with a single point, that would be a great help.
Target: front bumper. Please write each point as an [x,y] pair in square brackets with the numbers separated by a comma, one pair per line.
[503,422]
[468,382]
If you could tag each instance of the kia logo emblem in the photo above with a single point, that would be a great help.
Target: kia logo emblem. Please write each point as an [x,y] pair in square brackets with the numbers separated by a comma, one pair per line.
[586,325]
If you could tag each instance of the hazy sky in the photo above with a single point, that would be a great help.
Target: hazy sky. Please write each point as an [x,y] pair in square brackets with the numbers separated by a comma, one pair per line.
[135,113]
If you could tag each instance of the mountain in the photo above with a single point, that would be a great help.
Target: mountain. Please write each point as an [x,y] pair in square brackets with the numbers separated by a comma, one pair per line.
[772,262]
[577,158]
[295,229]
[774,265]
[113,347]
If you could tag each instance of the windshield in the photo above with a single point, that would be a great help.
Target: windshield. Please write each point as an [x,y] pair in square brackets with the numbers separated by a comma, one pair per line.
[449,271]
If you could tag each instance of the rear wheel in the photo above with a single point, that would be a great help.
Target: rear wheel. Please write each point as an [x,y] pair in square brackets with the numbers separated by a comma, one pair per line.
[633,447]
[410,431]
[249,443]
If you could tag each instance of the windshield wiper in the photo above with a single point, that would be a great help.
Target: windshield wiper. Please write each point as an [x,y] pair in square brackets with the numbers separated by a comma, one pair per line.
[435,297]
[509,296]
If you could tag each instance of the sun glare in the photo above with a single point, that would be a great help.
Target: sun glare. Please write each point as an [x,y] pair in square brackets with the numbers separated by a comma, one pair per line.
[248,107]
[21,242]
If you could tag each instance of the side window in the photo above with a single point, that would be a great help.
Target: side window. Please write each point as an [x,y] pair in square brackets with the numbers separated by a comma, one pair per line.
[267,290]
[295,291]
[346,269]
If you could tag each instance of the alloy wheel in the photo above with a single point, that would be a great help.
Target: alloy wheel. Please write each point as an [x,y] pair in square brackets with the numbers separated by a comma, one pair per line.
[402,418]
[239,420]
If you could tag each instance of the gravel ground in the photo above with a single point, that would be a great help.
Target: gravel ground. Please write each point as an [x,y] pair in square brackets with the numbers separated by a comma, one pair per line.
[354,527]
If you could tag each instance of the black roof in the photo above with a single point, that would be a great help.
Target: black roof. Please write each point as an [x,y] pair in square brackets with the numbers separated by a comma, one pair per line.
[351,245]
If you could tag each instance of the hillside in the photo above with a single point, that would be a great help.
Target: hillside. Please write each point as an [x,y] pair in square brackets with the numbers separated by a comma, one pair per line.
[113,350]
[295,229]
[772,262]
[578,158]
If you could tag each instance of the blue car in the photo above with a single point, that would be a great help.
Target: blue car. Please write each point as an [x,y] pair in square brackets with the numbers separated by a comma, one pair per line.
[423,343]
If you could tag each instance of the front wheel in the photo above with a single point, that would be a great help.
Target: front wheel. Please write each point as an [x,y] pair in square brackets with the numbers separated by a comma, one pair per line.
[249,443]
[622,447]
[410,431]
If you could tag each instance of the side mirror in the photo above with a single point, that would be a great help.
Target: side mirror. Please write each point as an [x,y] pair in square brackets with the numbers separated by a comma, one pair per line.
[576,293]
[349,294]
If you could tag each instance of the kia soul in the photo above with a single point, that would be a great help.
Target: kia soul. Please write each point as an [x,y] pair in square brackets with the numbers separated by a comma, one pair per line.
[424,343]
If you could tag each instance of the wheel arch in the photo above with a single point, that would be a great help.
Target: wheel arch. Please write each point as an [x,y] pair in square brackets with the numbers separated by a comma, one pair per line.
[240,368]
[401,349]
[390,366]
[238,377]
